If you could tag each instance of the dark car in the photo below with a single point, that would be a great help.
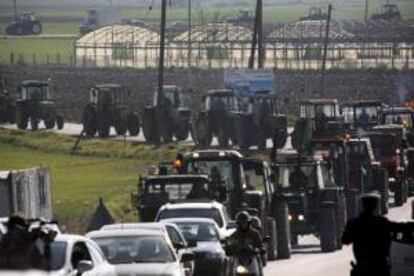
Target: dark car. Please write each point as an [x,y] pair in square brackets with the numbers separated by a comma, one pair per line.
[203,237]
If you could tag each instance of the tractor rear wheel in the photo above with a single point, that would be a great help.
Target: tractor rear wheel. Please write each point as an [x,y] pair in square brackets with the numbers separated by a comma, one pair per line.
[36,29]
[89,121]
[166,133]
[104,126]
[22,121]
[133,124]
[327,228]
[202,133]
[60,122]
[34,124]
[150,126]
[340,220]
[182,131]
[120,126]
[272,243]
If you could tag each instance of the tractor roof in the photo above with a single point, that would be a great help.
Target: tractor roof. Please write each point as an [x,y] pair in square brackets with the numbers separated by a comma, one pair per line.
[34,83]
[398,110]
[365,103]
[320,101]
[220,92]
[108,85]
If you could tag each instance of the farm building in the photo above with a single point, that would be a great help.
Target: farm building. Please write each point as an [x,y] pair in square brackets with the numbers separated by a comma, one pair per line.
[294,45]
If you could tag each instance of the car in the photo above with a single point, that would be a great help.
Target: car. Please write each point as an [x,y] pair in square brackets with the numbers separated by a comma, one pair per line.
[179,242]
[402,253]
[213,210]
[78,255]
[140,252]
[204,238]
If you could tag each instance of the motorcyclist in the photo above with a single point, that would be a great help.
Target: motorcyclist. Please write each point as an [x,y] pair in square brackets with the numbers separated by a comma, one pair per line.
[257,224]
[246,242]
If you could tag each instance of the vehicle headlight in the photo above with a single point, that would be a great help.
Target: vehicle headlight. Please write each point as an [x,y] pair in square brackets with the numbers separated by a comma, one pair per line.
[290,217]
[301,217]
[242,270]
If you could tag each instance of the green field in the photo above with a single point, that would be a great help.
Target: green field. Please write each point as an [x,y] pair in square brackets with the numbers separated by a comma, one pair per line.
[103,168]
[37,50]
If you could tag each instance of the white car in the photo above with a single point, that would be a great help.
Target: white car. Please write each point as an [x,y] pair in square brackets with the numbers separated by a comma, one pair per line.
[212,210]
[136,252]
[77,255]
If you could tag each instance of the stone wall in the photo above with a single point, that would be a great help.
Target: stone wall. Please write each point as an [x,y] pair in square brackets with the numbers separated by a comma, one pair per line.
[73,83]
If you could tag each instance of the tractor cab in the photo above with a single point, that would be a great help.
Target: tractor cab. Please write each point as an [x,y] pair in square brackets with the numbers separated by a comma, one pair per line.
[388,12]
[263,102]
[403,116]
[315,13]
[109,95]
[363,114]
[219,100]
[35,91]
[172,96]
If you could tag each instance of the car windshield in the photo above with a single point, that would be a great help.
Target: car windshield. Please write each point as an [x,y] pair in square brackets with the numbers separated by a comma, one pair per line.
[198,231]
[219,171]
[192,213]
[383,145]
[58,253]
[136,249]
[399,119]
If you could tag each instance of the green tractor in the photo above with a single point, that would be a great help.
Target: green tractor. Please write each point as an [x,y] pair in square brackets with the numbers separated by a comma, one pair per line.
[216,119]
[36,104]
[257,120]
[316,203]
[109,107]
[167,116]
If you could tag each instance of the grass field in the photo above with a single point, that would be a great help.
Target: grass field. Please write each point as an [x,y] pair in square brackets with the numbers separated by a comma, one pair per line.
[36,50]
[103,168]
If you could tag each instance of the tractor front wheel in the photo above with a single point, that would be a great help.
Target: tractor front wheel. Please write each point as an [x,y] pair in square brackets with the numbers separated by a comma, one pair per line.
[34,124]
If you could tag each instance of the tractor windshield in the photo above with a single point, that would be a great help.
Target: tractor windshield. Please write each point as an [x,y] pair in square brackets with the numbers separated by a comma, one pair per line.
[222,103]
[367,113]
[38,93]
[399,119]
[290,176]
[179,191]
[313,110]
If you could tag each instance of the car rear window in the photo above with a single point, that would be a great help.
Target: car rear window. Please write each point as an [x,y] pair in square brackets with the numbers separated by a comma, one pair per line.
[192,213]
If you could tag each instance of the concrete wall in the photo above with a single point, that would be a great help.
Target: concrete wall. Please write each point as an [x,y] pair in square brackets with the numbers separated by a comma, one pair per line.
[292,86]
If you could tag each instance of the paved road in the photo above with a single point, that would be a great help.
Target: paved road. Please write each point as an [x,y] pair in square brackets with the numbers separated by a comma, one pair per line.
[308,260]
[75,129]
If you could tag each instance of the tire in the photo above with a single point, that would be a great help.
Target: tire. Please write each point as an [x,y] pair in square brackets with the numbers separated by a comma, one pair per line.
[50,123]
[327,228]
[150,126]
[399,194]
[120,126]
[22,122]
[36,29]
[272,244]
[34,124]
[202,132]
[167,133]
[89,121]
[261,143]
[60,122]
[133,124]
[183,129]
[340,220]
[103,126]
[281,212]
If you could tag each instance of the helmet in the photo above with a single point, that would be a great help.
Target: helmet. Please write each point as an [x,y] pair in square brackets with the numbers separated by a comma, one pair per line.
[242,216]
[256,222]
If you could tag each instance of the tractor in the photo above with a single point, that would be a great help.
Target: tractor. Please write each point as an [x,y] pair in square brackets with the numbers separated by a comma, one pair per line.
[388,12]
[316,203]
[400,116]
[36,104]
[216,119]
[108,106]
[315,13]
[24,24]
[168,116]
[242,184]
[257,119]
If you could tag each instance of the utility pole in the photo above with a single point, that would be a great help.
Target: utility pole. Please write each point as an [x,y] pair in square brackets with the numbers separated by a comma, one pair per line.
[257,38]
[189,50]
[325,48]
[162,50]
[15,10]
[366,10]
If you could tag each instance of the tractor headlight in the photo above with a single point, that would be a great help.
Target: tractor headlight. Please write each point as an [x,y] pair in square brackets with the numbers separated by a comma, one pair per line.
[290,217]
[242,270]
[301,217]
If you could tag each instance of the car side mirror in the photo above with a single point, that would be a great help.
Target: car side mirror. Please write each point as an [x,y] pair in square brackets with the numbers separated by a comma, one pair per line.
[179,245]
[192,243]
[84,266]
[187,257]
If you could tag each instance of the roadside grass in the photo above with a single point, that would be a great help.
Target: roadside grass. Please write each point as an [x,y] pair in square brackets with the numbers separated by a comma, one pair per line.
[37,50]
[103,168]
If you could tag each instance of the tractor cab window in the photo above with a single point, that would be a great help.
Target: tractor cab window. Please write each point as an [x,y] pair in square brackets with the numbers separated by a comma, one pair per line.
[216,103]
[264,105]
[94,94]
[105,96]
[348,113]
[27,17]
[172,97]
[325,178]
[120,95]
[255,181]
[312,111]
[367,114]
[220,172]
[405,119]
[296,178]
[39,93]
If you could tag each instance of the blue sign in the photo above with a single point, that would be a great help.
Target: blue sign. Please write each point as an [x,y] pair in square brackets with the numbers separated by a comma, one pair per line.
[248,81]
